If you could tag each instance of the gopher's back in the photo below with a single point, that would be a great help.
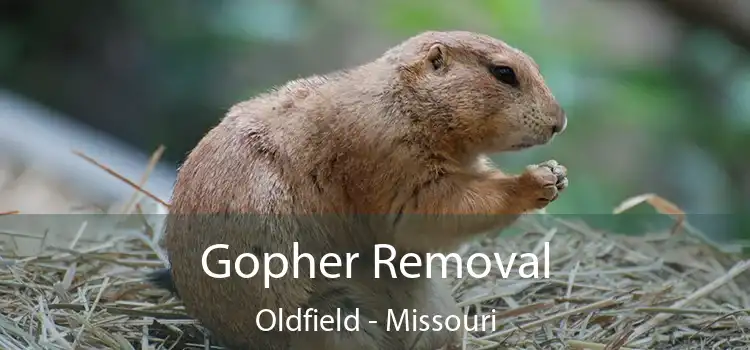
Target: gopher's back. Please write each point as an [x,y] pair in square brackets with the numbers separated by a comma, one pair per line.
[270,174]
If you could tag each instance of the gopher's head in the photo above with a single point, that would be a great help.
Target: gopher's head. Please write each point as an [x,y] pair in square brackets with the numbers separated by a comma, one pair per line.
[481,90]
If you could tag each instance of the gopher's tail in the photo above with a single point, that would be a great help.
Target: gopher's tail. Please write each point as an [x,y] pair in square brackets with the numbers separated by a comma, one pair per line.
[162,278]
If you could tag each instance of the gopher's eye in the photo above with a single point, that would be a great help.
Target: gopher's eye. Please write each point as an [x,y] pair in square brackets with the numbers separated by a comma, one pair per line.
[505,74]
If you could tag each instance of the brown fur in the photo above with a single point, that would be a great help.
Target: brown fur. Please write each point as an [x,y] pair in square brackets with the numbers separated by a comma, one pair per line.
[355,158]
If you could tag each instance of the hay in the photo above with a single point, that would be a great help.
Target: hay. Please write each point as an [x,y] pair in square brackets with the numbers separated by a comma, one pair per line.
[660,291]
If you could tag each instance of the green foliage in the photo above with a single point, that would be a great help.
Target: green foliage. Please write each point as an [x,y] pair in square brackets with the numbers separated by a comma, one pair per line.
[413,16]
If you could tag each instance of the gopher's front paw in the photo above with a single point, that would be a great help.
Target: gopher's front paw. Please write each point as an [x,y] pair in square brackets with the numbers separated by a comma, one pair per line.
[542,183]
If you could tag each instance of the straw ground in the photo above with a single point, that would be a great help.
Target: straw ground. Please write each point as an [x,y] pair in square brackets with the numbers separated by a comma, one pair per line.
[662,291]
[665,290]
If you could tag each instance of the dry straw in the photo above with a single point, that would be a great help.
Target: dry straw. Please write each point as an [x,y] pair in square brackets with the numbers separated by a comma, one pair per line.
[670,290]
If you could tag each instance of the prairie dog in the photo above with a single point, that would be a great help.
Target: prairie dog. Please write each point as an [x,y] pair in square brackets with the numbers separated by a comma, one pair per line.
[390,152]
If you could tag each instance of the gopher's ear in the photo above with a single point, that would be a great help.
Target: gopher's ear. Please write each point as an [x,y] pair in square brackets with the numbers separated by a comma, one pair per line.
[436,57]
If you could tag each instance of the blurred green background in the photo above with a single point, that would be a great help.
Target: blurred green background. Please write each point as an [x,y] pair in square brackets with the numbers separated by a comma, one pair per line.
[657,92]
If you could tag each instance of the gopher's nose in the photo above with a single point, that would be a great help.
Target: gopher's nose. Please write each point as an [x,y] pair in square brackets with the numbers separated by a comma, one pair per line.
[562,123]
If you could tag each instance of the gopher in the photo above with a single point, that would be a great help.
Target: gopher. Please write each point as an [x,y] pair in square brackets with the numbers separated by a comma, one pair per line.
[394,151]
